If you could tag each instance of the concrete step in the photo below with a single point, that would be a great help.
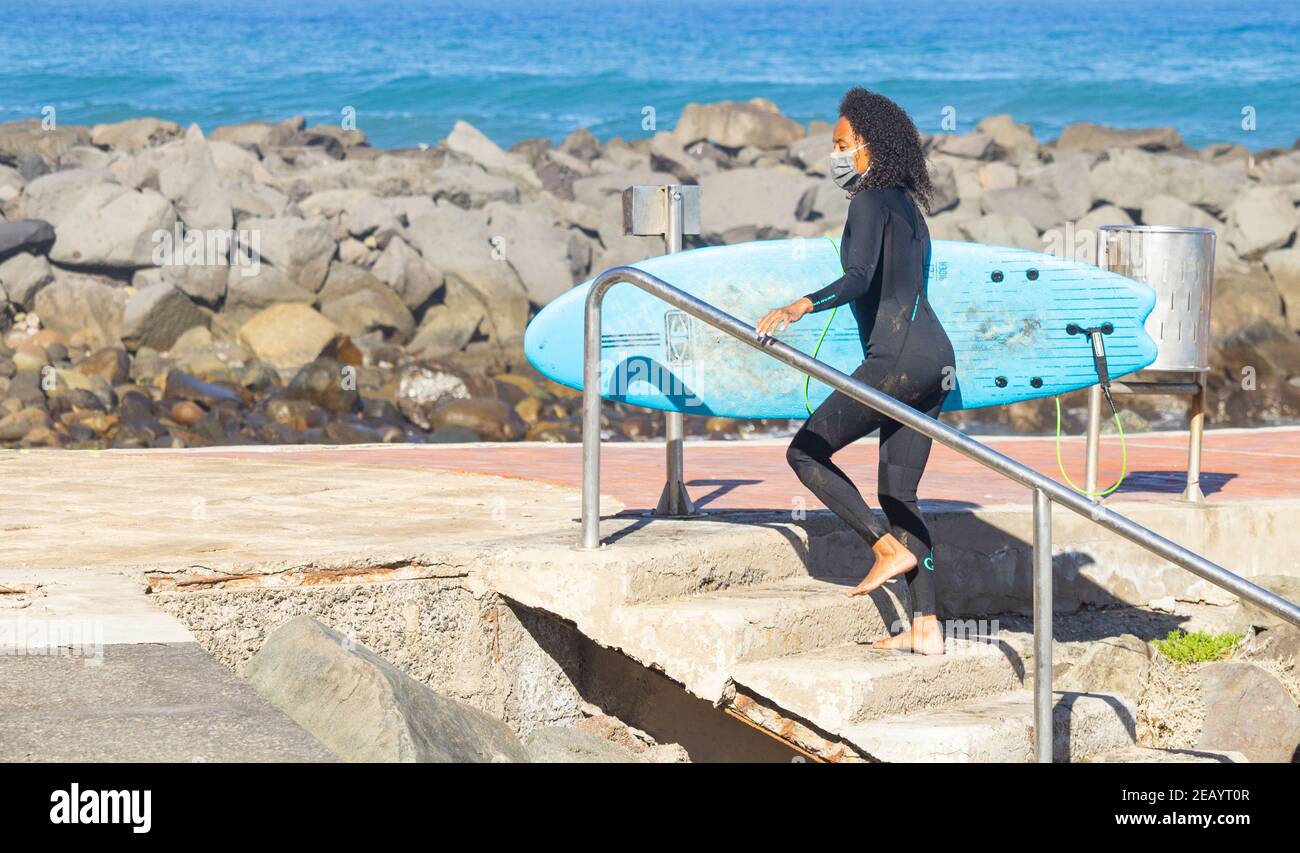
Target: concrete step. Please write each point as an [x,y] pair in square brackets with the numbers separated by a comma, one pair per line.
[999,729]
[1155,755]
[699,641]
[835,688]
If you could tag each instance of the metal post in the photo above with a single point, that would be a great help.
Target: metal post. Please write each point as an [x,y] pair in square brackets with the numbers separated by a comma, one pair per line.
[591,422]
[1042,627]
[1195,426]
[674,501]
[1093,451]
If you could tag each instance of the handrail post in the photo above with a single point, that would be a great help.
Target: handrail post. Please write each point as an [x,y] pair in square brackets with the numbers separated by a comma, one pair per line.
[1042,627]
[591,416]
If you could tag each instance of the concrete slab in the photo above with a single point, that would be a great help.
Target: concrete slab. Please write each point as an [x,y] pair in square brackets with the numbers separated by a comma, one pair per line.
[44,609]
[167,702]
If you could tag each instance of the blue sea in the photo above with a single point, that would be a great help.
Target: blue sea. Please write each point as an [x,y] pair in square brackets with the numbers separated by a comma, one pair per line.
[1217,70]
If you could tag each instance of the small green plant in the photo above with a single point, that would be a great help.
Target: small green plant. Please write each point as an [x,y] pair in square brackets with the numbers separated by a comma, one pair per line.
[1198,646]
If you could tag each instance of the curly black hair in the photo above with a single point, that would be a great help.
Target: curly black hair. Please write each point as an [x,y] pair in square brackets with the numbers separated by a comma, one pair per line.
[895,145]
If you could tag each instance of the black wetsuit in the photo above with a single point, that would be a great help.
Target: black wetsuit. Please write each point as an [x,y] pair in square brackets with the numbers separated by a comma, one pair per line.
[885,251]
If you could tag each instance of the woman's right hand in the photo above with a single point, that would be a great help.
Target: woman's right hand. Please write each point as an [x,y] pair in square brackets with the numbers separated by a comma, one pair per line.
[778,319]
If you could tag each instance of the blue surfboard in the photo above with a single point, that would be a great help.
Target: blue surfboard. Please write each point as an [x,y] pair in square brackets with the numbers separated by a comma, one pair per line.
[1005,310]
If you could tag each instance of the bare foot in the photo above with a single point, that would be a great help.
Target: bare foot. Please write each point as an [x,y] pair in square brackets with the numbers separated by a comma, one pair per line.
[924,637]
[892,560]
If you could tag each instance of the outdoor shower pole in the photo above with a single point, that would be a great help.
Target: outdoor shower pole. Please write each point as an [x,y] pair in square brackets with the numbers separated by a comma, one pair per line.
[674,502]
[1042,570]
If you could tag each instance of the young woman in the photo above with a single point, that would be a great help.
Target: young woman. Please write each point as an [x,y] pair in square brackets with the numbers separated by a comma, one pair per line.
[885,252]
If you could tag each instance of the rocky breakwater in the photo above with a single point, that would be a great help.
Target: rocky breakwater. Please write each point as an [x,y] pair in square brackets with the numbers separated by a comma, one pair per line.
[271,282]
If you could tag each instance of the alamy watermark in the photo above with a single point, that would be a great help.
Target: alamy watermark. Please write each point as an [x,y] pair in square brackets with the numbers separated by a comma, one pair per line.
[24,636]
[209,247]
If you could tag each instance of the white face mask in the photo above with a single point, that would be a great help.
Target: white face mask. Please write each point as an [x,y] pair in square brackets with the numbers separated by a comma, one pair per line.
[842,170]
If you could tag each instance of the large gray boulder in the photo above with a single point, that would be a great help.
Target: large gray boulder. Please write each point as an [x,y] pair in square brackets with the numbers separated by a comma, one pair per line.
[752,203]
[971,146]
[538,250]
[825,203]
[134,134]
[256,202]
[1016,141]
[260,134]
[248,294]
[1114,665]
[733,124]
[1247,710]
[25,235]
[82,303]
[115,227]
[668,155]
[236,164]
[1248,616]
[409,275]
[188,175]
[365,709]
[287,335]
[1023,201]
[157,315]
[1281,169]
[1094,137]
[301,248]
[1213,186]
[22,139]
[1261,220]
[596,190]
[811,153]
[943,177]
[1128,177]
[1241,298]
[470,186]
[462,245]
[359,304]
[372,218]
[448,326]
[52,197]
[86,157]
[1164,209]
[1065,182]
[205,283]
[22,275]
[1282,264]
[1106,214]
[469,143]
[1001,229]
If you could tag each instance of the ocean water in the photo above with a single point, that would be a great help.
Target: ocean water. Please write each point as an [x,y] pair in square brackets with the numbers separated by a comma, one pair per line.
[1217,70]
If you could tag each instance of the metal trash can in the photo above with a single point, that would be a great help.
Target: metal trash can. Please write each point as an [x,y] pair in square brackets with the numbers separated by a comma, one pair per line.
[1179,264]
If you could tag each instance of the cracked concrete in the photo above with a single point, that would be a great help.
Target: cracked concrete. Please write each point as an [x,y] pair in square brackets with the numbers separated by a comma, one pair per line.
[472,584]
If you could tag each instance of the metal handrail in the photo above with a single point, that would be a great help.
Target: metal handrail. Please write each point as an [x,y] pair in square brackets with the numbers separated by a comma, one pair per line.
[1046,490]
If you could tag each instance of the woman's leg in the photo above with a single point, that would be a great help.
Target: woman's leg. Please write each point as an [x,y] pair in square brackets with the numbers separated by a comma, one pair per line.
[836,423]
[903,456]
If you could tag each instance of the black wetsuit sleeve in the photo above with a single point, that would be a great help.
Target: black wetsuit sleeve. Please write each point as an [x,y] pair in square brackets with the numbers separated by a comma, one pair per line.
[861,254]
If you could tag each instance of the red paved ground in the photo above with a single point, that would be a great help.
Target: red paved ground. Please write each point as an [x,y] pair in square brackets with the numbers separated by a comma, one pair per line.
[1237,465]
